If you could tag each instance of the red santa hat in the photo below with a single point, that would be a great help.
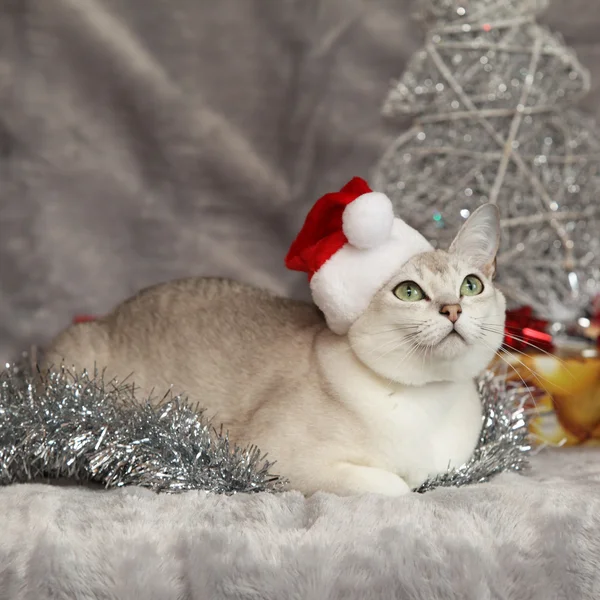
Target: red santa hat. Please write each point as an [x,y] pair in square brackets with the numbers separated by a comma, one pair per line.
[351,245]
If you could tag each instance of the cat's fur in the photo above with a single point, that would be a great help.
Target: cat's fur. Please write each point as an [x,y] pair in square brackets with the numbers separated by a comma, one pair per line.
[376,410]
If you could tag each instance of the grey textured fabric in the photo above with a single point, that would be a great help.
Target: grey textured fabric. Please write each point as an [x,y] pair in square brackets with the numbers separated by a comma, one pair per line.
[517,538]
[142,141]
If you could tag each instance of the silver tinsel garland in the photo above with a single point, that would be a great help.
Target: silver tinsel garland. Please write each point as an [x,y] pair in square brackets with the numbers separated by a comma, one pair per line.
[489,95]
[81,429]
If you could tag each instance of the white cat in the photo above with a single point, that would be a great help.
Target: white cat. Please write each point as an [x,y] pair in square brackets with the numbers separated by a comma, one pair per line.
[377,408]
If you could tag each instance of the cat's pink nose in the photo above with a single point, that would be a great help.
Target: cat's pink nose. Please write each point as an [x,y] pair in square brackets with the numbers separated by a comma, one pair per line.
[452,311]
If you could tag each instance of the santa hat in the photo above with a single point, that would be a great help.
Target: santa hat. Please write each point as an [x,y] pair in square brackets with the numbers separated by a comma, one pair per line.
[351,245]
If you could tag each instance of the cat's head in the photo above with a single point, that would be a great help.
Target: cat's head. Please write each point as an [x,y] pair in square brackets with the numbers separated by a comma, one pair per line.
[440,317]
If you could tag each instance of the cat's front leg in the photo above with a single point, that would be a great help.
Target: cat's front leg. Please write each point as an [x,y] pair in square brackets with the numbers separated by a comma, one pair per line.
[349,480]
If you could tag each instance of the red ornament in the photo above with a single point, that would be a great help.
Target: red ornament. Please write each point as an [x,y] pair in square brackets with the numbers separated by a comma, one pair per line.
[523,331]
[83,319]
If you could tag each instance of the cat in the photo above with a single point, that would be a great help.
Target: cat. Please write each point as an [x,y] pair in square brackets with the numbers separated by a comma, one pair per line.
[376,410]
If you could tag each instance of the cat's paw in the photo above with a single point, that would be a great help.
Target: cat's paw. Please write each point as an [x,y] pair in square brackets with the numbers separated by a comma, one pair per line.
[355,480]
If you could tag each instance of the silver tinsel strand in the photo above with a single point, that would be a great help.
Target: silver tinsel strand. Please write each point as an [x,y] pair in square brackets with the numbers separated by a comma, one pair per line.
[81,429]
[489,96]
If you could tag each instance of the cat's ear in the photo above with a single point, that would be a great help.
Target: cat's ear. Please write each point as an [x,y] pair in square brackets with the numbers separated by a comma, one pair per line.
[479,238]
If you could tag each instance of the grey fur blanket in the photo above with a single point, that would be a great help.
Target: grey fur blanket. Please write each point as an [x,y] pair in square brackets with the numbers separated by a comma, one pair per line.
[517,538]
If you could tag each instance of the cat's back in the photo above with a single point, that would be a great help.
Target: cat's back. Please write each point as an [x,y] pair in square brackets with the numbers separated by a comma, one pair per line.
[207,304]
[189,331]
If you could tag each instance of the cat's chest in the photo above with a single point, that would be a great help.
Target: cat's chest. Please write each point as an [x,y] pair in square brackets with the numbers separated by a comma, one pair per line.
[414,431]
[420,431]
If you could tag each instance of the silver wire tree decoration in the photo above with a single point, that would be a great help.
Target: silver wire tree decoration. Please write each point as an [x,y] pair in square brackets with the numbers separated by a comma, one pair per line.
[490,95]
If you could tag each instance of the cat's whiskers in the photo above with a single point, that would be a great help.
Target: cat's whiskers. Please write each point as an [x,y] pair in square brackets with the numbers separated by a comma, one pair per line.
[495,328]
[409,338]
[400,342]
[525,385]
[424,354]
[399,328]
[431,348]
[499,329]
[426,347]
[417,349]
[486,327]
[351,347]
[507,353]
[414,347]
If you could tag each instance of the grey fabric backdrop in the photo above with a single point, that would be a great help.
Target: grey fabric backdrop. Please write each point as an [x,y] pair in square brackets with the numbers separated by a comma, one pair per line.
[142,140]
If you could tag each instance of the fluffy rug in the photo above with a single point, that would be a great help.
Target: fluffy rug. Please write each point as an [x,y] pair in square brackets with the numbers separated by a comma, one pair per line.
[514,538]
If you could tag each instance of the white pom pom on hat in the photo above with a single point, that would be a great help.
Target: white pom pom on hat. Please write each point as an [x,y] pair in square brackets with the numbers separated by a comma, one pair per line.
[367,221]
[351,244]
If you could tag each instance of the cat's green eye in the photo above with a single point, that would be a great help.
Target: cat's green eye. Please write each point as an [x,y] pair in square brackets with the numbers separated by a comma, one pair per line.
[409,291]
[471,286]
